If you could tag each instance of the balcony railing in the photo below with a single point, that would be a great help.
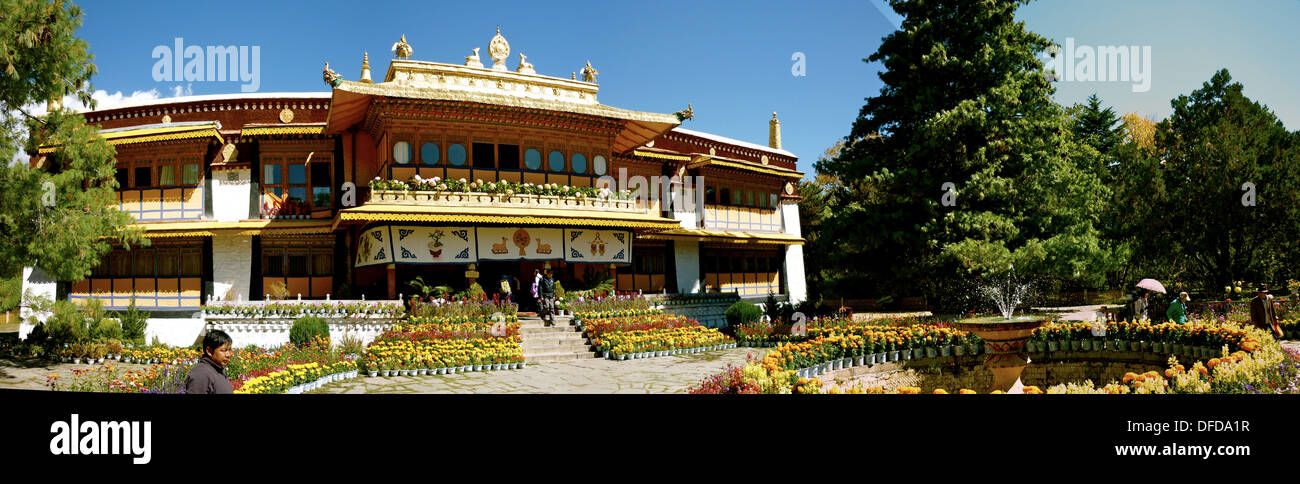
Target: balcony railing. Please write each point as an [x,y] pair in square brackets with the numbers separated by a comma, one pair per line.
[162,204]
[724,217]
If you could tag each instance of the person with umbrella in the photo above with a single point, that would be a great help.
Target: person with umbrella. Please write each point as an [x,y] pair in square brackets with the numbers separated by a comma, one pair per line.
[1142,304]
[1262,314]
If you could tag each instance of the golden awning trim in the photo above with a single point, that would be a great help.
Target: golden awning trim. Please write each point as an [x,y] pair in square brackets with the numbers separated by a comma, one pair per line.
[281,130]
[662,156]
[208,228]
[727,236]
[504,215]
[707,160]
[147,135]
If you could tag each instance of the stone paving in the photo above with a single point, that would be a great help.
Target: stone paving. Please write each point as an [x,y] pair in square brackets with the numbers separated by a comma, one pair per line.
[664,374]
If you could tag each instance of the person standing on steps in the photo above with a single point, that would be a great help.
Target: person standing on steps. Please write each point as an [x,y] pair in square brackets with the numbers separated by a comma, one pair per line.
[537,284]
[547,292]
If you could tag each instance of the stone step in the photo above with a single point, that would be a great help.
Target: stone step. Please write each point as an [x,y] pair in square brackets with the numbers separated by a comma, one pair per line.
[537,350]
[556,357]
[556,345]
[553,330]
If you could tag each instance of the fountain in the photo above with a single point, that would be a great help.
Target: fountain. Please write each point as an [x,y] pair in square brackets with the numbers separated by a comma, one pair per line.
[1004,337]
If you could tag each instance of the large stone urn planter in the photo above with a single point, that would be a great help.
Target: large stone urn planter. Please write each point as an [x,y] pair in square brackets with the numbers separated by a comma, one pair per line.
[1004,344]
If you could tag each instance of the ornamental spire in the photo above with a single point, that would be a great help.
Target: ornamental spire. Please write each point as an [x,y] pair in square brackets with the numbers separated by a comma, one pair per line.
[365,69]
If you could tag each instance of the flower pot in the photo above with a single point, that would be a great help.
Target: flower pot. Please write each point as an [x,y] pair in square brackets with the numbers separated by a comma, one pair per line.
[1053,346]
[1085,345]
[862,360]
[895,355]
[959,350]
[373,373]
[945,351]
[1075,345]
[622,357]
[1121,345]
[931,352]
[1145,346]
[451,370]
[907,354]
[523,364]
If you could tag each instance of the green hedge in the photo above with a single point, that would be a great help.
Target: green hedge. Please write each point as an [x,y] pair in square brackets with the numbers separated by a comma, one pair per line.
[306,328]
[743,312]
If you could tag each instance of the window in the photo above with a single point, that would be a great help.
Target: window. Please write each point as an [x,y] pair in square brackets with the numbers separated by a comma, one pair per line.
[456,154]
[273,262]
[122,177]
[736,197]
[710,195]
[143,262]
[190,174]
[484,155]
[167,175]
[598,165]
[169,262]
[533,159]
[322,262]
[297,262]
[556,161]
[143,176]
[271,177]
[192,262]
[579,163]
[429,154]
[508,157]
[320,184]
[401,152]
[297,182]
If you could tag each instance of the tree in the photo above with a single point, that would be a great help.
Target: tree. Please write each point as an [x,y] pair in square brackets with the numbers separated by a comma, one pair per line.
[965,101]
[1216,150]
[1102,130]
[58,213]
[815,204]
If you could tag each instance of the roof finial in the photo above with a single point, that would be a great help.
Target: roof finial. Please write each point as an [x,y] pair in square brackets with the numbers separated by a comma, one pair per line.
[774,132]
[499,50]
[589,73]
[402,49]
[365,69]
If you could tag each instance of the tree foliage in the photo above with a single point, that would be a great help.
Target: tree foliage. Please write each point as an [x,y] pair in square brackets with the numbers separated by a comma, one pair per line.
[964,101]
[42,59]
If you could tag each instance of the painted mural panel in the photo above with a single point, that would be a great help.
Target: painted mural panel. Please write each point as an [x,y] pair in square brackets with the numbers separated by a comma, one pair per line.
[598,246]
[514,243]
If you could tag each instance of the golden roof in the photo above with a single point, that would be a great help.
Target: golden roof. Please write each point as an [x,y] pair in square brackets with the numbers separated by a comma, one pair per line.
[208,228]
[701,160]
[155,132]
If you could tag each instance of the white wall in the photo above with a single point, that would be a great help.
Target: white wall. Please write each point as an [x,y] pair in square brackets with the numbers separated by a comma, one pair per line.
[232,257]
[230,197]
[794,273]
[174,331]
[686,254]
[36,283]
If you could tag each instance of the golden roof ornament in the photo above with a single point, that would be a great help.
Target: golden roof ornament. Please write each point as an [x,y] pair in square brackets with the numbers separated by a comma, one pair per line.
[774,132]
[525,67]
[365,69]
[332,78]
[402,50]
[589,73]
[685,114]
[499,49]
[472,59]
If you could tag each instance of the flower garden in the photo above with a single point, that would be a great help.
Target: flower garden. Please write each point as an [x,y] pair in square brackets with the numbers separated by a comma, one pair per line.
[635,334]
[1225,357]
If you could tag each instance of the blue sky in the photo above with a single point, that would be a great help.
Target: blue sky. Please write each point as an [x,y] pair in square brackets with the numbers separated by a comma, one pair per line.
[731,60]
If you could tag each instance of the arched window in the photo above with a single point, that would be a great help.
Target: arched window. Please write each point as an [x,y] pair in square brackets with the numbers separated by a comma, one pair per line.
[556,161]
[579,163]
[430,154]
[533,159]
[598,165]
[456,154]
[401,152]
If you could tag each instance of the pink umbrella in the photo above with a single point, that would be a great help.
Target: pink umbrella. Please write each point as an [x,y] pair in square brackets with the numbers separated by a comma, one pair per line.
[1152,284]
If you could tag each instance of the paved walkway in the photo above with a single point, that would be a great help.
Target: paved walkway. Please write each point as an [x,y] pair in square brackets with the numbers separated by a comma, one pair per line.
[665,374]
[1073,313]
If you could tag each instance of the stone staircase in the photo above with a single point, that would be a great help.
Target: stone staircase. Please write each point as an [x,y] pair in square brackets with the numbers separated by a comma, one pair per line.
[561,342]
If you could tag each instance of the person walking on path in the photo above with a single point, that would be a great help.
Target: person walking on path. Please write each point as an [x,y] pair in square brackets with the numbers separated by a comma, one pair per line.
[548,299]
[208,376]
[505,288]
[1177,312]
[1140,307]
[1262,314]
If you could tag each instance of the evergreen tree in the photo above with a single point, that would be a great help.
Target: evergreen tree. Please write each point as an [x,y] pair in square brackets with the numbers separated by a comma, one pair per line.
[1102,130]
[965,101]
[59,214]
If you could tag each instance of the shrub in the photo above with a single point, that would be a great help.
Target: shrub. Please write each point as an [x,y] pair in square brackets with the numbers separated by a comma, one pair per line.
[133,323]
[306,328]
[107,329]
[743,312]
[475,292]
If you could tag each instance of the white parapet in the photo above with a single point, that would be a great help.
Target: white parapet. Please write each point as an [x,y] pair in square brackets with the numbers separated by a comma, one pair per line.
[234,260]
[174,331]
[796,283]
[686,255]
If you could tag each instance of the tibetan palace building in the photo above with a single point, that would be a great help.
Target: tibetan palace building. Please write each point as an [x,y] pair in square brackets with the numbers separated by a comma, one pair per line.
[344,194]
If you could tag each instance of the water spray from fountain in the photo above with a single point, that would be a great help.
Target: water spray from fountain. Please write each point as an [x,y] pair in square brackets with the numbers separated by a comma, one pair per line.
[1006,295]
